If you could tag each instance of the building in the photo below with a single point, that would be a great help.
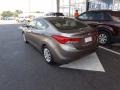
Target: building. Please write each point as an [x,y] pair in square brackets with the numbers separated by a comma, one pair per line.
[116,5]
[69,6]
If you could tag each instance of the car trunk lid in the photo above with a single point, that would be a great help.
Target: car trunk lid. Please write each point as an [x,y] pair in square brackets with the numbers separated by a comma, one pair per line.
[88,37]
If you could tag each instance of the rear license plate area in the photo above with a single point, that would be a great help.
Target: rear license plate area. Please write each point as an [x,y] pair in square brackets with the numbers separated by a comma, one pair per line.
[88,39]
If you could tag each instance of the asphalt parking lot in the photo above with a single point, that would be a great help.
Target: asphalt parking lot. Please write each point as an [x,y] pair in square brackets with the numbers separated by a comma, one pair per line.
[22,67]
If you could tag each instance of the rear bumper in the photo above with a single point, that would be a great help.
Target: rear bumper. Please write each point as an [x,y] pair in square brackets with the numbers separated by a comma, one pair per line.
[62,56]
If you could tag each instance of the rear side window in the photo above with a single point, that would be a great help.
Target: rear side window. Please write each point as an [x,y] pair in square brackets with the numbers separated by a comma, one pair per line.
[115,14]
[67,24]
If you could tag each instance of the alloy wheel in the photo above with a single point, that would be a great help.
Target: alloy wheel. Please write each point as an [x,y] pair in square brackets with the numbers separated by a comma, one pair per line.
[103,39]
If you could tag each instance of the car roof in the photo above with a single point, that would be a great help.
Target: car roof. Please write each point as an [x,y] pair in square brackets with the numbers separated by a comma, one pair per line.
[102,11]
[50,18]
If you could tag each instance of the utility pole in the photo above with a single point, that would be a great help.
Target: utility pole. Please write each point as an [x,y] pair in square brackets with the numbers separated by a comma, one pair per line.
[113,6]
[69,8]
[58,5]
[29,6]
[87,5]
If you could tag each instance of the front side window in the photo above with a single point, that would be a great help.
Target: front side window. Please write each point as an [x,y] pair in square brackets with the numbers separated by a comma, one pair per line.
[83,17]
[67,24]
[87,16]
[32,24]
[92,16]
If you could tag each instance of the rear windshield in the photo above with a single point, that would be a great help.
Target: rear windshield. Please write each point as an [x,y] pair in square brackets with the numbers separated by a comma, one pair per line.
[67,24]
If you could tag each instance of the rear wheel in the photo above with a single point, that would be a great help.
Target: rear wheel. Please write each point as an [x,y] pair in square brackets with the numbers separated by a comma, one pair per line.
[104,38]
[48,56]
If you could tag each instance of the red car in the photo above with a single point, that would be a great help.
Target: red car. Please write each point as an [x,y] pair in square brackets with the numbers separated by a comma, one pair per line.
[107,23]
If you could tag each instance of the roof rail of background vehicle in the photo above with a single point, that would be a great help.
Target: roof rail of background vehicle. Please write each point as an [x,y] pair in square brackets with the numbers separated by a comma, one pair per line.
[106,10]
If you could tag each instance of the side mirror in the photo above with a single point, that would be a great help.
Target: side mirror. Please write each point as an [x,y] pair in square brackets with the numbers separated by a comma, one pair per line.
[25,25]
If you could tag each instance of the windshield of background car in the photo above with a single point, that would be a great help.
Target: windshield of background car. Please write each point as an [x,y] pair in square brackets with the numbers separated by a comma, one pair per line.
[67,24]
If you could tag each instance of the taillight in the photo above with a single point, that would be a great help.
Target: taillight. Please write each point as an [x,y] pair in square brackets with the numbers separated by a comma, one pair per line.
[63,40]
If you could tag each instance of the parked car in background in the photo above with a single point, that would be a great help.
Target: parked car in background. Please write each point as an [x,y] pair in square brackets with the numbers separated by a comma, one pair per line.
[21,19]
[54,14]
[106,22]
[7,18]
[11,18]
[60,39]
[24,19]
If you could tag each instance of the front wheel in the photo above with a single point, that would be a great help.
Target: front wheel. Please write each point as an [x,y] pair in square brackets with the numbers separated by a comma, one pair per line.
[104,38]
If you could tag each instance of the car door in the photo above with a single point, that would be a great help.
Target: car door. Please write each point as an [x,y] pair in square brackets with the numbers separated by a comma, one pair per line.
[91,18]
[30,29]
[38,32]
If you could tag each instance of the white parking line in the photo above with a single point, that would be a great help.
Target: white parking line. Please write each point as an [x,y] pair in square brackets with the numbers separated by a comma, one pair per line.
[90,62]
[112,51]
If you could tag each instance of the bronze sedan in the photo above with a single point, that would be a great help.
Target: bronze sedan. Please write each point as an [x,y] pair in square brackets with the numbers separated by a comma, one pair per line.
[60,39]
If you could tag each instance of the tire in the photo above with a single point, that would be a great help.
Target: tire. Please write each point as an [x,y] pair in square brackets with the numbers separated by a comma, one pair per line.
[24,38]
[48,56]
[104,38]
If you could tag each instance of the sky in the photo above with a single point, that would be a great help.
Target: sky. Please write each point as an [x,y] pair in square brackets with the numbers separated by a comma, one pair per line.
[28,5]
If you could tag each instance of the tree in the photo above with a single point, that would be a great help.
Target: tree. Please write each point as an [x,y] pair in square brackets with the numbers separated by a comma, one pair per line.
[38,12]
[17,12]
[7,14]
